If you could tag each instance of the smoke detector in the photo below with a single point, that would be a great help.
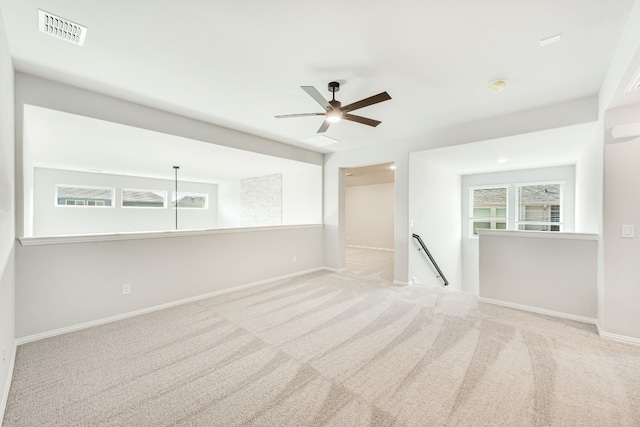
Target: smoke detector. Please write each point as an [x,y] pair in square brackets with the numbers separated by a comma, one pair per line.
[61,28]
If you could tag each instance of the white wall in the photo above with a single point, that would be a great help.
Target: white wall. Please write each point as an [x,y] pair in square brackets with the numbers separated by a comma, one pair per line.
[434,209]
[302,196]
[163,269]
[550,117]
[76,283]
[545,272]
[39,92]
[470,251]
[229,204]
[51,220]
[622,269]
[589,186]
[369,215]
[334,202]
[618,289]
[7,218]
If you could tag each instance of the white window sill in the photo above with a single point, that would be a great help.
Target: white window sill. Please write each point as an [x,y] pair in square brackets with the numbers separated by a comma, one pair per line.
[539,234]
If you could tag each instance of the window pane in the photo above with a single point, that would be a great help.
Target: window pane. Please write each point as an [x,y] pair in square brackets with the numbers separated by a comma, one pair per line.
[539,207]
[480,226]
[77,195]
[489,202]
[481,212]
[143,198]
[189,200]
[501,225]
[537,202]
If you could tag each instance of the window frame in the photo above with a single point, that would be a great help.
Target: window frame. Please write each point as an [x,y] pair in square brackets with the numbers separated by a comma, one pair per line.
[164,198]
[85,201]
[472,219]
[518,222]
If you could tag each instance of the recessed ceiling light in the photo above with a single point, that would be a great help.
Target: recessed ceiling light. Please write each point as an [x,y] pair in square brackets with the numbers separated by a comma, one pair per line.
[550,40]
[61,28]
[502,160]
[497,85]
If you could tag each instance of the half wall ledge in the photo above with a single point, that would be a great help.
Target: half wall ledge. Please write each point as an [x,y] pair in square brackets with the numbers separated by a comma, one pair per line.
[106,237]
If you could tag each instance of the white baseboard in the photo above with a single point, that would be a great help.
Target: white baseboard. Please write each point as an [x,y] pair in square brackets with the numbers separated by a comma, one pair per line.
[538,310]
[400,283]
[369,247]
[7,384]
[616,337]
[85,325]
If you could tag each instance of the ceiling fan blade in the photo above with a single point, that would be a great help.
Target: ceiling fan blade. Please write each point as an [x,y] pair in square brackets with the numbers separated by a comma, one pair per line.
[359,119]
[313,92]
[286,116]
[325,125]
[384,96]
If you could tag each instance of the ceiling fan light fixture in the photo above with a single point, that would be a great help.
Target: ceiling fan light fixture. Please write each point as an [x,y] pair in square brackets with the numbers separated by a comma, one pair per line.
[334,116]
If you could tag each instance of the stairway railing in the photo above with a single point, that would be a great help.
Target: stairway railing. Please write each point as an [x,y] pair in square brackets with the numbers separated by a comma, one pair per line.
[433,261]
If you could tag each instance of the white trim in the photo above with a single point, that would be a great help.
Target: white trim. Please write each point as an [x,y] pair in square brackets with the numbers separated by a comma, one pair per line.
[136,235]
[540,234]
[615,337]
[401,283]
[105,320]
[7,384]
[335,270]
[370,247]
[560,314]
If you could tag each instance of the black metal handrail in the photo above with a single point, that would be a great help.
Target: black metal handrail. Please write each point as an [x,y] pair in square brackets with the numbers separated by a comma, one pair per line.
[433,261]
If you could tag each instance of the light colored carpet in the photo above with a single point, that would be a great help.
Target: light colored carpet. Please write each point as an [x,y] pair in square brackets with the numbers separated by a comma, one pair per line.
[337,349]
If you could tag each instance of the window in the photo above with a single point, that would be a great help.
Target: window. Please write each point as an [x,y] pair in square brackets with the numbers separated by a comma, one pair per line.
[143,198]
[79,195]
[539,206]
[488,209]
[189,200]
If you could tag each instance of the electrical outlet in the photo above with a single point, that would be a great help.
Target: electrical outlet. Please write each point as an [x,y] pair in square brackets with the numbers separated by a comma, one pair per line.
[126,289]
[295,258]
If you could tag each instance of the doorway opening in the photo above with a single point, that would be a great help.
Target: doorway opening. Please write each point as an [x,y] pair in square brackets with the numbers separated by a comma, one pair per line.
[369,220]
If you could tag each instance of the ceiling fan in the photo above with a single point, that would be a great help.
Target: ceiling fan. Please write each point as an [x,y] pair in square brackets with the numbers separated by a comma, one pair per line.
[334,111]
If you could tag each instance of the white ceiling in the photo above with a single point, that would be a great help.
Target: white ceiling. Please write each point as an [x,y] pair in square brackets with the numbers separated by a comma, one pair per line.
[554,147]
[239,64]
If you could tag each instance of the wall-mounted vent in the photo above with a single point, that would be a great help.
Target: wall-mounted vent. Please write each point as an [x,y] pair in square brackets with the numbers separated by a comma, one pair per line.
[61,28]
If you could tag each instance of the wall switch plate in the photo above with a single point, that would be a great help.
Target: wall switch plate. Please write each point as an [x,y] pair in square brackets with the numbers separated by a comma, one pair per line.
[126,289]
[628,231]
[295,258]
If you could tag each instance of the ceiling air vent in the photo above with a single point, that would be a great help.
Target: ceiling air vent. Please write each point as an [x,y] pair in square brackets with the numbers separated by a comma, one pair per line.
[320,141]
[61,28]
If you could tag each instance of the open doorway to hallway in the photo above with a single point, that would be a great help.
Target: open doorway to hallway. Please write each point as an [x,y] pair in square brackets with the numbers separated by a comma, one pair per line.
[369,220]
